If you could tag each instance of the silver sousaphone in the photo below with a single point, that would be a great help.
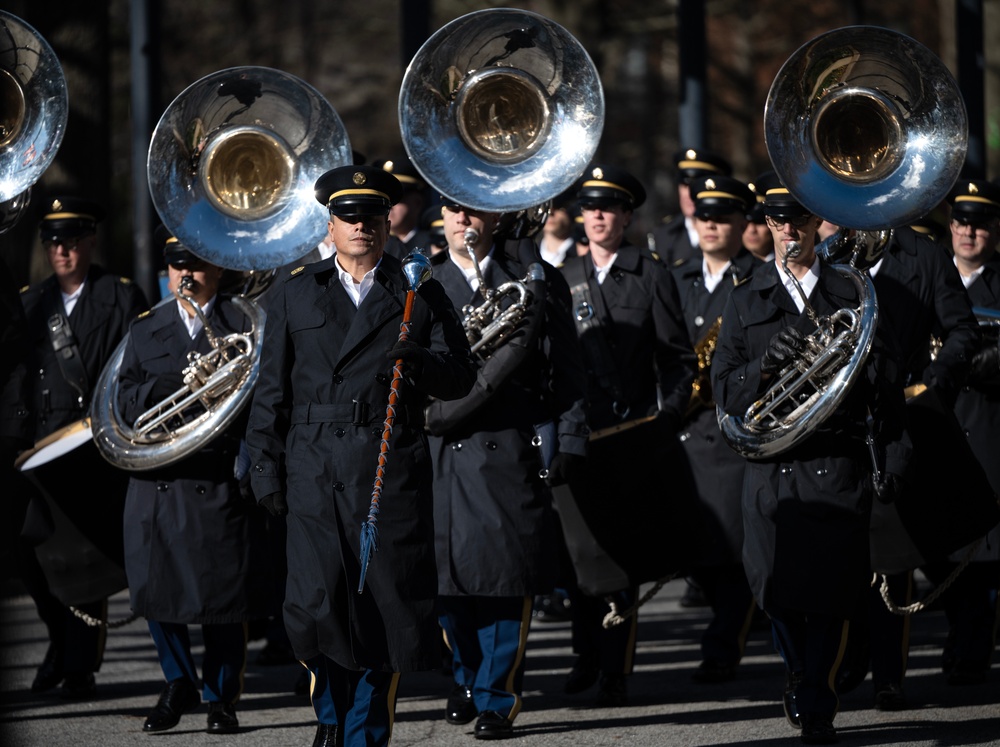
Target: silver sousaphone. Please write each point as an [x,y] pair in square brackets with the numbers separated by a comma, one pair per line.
[34,108]
[501,110]
[231,166]
[867,128]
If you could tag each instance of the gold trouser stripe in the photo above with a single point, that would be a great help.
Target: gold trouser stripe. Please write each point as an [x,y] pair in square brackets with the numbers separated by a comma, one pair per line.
[522,645]
[391,703]
[831,680]
[312,680]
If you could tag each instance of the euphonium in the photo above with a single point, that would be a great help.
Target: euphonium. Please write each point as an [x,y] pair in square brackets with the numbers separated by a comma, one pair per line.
[490,324]
[216,385]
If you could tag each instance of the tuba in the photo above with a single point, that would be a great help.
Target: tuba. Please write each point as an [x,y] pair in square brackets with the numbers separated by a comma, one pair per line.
[231,168]
[501,110]
[34,108]
[867,128]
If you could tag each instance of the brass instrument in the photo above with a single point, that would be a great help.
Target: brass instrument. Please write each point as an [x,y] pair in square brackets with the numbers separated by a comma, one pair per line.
[701,387]
[500,111]
[34,108]
[867,128]
[488,325]
[232,164]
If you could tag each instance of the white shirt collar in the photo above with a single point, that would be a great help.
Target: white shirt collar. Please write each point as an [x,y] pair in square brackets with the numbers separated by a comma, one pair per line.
[70,299]
[712,280]
[967,280]
[194,324]
[470,272]
[808,283]
[357,291]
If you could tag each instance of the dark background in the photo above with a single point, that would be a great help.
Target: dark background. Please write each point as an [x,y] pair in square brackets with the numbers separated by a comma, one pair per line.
[697,71]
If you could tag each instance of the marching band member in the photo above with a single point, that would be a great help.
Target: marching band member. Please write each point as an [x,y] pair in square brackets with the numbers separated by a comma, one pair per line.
[494,525]
[195,549]
[314,437]
[806,510]
[705,283]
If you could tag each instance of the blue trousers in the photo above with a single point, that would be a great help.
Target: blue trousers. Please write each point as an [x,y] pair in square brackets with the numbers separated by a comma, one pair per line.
[487,636]
[812,646]
[222,667]
[362,703]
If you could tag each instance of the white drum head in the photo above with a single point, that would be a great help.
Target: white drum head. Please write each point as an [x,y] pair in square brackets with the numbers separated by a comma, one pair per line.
[55,445]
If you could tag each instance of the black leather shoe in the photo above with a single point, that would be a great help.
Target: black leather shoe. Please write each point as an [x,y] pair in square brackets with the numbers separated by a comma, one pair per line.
[712,672]
[491,725]
[612,691]
[581,677]
[222,719]
[50,673]
[792,682]
[79,686]
[817,730]
[890,697]
[460,708]
[179,696]
[326,736]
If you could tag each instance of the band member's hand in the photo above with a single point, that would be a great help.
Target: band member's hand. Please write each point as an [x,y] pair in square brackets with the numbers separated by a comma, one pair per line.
[166,384]
[275,504]
[985,366]
[412,353]
[564,467]
[782,349]
[889,488]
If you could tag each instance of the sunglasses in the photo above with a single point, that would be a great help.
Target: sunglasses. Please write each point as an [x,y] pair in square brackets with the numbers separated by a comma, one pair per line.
[777,221]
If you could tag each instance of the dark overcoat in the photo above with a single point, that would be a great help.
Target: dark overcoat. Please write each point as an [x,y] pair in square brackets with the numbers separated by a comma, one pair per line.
[920,295]
[101,317]
[806,511]
[978,407]
[314,435]
[716,468]
[495,530]
[637,493]
[194,546]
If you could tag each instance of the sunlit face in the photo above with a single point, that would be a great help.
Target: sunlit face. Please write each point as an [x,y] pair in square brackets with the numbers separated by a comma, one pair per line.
[70,258]
[205,280]
[457,220]
[720,234]
[758,240]
[605,226]
[359,235]
[974,242]
[800,229]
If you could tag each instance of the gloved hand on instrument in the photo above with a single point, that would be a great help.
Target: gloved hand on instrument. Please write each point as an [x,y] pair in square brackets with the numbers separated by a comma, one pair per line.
[985,366]
[782,350]
[889,488]
[275,504]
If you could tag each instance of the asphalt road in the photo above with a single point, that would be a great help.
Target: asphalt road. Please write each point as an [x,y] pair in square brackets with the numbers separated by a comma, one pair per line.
[665,706]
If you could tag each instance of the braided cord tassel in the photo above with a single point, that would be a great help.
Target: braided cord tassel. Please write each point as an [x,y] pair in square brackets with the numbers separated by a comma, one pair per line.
[369,528]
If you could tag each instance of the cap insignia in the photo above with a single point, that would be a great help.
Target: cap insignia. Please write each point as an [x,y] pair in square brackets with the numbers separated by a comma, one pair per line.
[973,189]
[691,154]
[388,166]
[359,178]
[597,173]
[710,184]
[56,206]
